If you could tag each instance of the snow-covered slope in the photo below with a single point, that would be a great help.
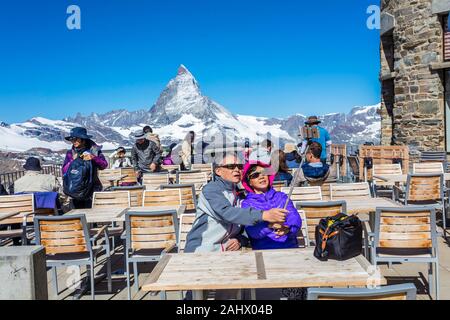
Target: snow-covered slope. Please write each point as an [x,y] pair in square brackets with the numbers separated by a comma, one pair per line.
[182,107]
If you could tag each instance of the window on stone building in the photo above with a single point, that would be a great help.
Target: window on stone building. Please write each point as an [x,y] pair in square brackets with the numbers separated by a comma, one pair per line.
[447,107]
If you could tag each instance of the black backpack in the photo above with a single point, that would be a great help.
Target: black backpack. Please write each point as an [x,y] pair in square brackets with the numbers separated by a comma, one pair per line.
[79,179]
[338,238]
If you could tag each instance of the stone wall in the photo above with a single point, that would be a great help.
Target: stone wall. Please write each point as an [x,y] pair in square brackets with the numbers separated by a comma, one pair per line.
[414,114]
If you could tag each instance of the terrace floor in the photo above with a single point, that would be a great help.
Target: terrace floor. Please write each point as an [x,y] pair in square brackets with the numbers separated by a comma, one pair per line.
[398,273]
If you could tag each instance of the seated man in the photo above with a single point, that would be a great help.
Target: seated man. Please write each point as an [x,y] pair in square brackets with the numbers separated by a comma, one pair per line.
[314,168]
[34,180]
[219,220]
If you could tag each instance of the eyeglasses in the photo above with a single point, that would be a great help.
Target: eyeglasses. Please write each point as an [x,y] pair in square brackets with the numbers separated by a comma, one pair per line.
[257,174]
[232,166]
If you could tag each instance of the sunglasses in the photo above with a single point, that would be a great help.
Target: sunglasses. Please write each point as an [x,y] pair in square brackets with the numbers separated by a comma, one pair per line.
[232,166]
[257,174]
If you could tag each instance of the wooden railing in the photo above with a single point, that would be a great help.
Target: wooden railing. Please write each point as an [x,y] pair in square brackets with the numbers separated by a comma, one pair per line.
[7,179]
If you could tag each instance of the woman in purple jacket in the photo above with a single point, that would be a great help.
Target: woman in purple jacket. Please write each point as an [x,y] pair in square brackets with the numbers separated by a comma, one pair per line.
[83,147]
[257,180]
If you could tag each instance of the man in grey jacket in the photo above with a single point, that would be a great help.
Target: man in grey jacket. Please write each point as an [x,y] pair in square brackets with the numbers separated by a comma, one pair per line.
[146,155]
[219,220]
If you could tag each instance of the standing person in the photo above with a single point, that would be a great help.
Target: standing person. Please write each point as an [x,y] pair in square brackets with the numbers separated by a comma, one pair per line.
[324,137]
[150,136]
[145,154]
[84,148]
[263,152]
[257,180]
[120,159]
[247,150]
[34,180]
[219,220]
[186,152]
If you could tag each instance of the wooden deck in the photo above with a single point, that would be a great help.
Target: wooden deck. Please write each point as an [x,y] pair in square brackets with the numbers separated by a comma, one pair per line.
[398,273]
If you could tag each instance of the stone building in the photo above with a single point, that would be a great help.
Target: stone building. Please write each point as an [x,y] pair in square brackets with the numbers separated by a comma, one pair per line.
[415,74]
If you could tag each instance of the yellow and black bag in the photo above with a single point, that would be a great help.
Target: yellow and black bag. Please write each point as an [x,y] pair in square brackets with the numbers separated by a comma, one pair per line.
[338,238]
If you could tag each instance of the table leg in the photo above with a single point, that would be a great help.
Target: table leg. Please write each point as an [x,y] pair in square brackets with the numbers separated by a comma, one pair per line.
[197,294]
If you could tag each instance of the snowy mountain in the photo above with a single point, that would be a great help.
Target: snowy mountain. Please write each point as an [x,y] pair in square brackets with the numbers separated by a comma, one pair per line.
[182,107]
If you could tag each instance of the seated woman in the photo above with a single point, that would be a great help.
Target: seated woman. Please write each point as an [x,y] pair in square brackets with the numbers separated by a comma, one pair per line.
[257,180]
[278,162]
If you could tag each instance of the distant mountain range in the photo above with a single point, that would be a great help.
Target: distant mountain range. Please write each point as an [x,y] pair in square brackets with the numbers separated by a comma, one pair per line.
[182,107]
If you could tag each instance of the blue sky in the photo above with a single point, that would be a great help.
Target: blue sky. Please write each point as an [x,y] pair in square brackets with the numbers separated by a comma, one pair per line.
[266,58]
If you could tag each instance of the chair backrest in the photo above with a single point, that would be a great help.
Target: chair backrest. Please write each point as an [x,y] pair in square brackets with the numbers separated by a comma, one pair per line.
[62,234]
[428,167]
[151,230]
[105,175]
[304,193]
[353,161]
[343,191]
[204,167]
[433,156]
[136,194]
[152,181]
[111,199]
[405,291]
[22,203]
[130,174]
[424,187]
[199,179]
[186,222]
[279,185]
[171,167]
[188,197]
[411,227]
[387,169]
[157,198]
[314,211]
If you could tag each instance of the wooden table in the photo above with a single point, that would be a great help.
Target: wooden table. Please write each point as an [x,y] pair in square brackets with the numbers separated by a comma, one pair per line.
[401,178]
[102,215]
[369,205]
[292,268]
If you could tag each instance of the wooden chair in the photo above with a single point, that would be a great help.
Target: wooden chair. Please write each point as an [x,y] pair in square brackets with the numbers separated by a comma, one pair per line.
[204,167]
[426,189]
[314,211]
[67,242]
[136,194]
[199,179]
[149,235]
[385,170]
[353,162]
[428,167]
[22,210]
[131,177]
[344,191]
[186,222]
[188,197]
[152,181]
[407,235]
[304,193]
[158,198]
[279,185]
[112,199]
[106,175]
[406,291]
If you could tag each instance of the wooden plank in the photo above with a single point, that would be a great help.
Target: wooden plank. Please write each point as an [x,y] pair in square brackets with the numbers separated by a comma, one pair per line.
[405,221]
[159,268]
[405,228]
[65,249]
[153,230]
[260,268]
[405,236]
[151,245]
[63,242]
[405,243]
[153,236]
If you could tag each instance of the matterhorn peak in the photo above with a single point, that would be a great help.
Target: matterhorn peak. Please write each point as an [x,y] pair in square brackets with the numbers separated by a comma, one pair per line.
[183,70]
